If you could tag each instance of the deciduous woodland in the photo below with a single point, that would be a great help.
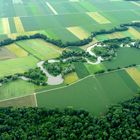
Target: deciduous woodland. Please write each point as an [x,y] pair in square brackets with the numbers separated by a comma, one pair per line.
[121,121]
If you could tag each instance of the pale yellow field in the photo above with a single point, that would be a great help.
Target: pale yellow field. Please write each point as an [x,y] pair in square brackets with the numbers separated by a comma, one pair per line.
[19,52]
[71,78]
[98,18]
[134,74]
[6,27]
[134,32]
[115,35]
[78,32]
[19,25]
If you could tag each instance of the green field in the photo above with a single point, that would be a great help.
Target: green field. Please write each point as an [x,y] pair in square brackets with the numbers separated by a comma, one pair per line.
[38,15]
[16,89]
[94,94]
[125,57]
[81,70]
[40,49]
[17,65]
[67,20]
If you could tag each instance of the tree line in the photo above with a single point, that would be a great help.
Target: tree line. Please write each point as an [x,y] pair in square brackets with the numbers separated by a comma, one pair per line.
[120,122]
[59,43]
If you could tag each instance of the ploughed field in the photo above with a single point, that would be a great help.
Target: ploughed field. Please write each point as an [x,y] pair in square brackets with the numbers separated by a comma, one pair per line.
[68,20]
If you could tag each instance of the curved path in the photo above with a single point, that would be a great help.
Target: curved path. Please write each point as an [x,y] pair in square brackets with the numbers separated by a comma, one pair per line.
[52,80]
[99,58]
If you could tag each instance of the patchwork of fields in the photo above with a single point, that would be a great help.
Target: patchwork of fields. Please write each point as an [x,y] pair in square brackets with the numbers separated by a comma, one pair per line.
[94,93]
[66,18]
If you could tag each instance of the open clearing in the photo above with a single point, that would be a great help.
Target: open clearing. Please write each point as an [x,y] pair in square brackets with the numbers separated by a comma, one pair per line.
[93,93]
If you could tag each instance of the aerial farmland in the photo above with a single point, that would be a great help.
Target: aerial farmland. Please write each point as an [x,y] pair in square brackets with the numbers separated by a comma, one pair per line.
[69,69]
[45,37]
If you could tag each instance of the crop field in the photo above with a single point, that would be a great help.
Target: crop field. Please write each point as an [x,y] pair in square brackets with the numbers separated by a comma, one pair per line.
[71,78]
[94,68]
[135,74]
[16,89]
[18,51]
[17,65]
[6,54]
[125,57]
[40,49]
[81,70]
[68,20]
[55,18]
[93,93]
[27,101]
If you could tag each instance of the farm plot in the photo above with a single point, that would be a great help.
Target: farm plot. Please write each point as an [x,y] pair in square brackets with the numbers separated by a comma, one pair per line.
[6,54]
[40,49]
[16,89]
[27,101]
[125,57]
[55,17]
[71,78]
[94,68]
[93,93]
[17,65]
[135,74]
[18,25]
[81,70]
[134,32]
[78,32]
[19,52]
[98,17]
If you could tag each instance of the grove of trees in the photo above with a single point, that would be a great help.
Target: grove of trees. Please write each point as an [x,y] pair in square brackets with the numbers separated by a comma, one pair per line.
[120,122]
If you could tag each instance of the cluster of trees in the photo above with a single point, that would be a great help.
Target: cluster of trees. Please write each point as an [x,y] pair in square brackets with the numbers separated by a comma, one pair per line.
[76,56]
[59,68]
[76,53]
[106,52]
[121,122]
[9,78]
[118,41]
[108,48]
[36,76]
[59,43]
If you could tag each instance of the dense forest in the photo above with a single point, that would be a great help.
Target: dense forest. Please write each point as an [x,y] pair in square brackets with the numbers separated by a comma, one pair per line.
[121,122]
